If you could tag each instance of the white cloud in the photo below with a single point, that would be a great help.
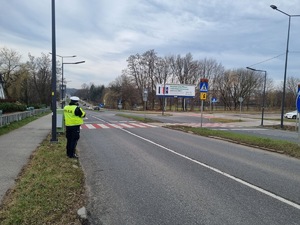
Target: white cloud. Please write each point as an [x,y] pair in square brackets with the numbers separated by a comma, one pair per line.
[105,33]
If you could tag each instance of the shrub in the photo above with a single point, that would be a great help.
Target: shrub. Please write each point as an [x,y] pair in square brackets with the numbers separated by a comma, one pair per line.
[8,107]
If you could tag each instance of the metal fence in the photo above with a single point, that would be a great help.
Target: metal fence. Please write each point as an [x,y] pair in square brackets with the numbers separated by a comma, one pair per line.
[6,119]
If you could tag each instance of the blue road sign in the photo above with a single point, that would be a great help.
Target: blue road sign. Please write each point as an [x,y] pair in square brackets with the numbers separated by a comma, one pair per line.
[203,87]
[298,103]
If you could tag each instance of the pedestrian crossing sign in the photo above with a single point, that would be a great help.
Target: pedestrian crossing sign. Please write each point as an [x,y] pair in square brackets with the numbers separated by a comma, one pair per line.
[203,85]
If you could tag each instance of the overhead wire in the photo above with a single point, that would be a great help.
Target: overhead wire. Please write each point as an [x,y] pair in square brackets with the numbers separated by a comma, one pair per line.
[273,58]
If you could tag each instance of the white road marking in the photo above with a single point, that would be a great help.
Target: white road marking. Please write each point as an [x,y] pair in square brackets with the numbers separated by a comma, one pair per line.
[297,206]
[102,125]
[136,125]
[90,126]
[114,125]
[126,125]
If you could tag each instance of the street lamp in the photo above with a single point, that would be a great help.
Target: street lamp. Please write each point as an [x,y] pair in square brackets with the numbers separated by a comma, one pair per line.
[264,94]
[62,75]
[286,60]
[62,80]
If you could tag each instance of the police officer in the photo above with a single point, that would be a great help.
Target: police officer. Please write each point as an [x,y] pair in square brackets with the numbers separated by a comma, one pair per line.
[73,119]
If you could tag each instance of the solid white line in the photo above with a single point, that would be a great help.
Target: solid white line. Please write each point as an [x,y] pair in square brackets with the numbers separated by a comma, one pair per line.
[98,118]
[297,206]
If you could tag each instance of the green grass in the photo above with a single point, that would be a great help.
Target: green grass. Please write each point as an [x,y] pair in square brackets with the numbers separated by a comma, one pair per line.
[223,120]
[285,147]
[50,189]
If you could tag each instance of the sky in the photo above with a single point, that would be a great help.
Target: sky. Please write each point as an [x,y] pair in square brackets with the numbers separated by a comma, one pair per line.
[104,33]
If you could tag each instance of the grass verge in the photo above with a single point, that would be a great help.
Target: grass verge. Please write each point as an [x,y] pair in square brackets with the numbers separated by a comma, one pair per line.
[284,147]
[49,190]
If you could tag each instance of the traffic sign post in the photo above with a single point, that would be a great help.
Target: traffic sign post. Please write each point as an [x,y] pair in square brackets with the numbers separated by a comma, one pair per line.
[203,87]
[298,112]
[241,99]
[145,97]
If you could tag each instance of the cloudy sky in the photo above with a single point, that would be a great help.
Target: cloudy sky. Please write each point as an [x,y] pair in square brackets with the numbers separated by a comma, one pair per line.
[104,33]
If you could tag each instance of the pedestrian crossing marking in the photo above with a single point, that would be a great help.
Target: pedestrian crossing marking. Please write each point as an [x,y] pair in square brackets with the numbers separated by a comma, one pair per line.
[145,125]
[126,125]
[139,125]
[149,125]
[100,125]
[90,126]
[115,125]
[209,125]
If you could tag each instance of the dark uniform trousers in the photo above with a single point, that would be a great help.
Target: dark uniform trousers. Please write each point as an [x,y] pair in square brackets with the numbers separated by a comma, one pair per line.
[72,135]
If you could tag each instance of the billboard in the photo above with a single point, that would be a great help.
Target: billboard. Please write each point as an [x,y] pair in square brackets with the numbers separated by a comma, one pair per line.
[175,90]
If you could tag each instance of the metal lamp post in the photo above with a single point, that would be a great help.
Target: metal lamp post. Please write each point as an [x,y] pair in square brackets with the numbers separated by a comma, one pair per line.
[53,80]
[286,60]
[264,93]
[62,81]
[62,74]
[62,77]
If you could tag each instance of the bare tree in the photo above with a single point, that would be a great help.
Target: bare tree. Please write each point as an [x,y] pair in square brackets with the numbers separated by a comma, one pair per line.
[162,73]
[211,70]
[40,73]
[148,62]
[136,70]
[291,91]
[9,65]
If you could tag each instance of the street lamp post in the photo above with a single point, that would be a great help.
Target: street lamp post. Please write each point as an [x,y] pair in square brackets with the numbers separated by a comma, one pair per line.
[62,75]
[264,94]
[286,60]
[53,80]
[62,81]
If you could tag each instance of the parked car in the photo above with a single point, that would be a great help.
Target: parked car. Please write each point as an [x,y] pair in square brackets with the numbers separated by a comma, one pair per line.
[291,115]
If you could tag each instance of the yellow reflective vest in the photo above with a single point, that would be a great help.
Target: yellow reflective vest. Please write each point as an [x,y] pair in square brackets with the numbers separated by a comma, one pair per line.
[70,118]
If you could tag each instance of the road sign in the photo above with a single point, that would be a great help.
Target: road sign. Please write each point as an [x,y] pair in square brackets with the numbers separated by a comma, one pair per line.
[145,95]
[203,95]
[298,102]
[203,85]
[214,100]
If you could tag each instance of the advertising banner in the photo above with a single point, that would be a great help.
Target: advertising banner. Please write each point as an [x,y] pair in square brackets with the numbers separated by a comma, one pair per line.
[175,90]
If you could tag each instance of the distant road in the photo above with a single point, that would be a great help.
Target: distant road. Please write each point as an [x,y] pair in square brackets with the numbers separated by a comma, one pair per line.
[250,123]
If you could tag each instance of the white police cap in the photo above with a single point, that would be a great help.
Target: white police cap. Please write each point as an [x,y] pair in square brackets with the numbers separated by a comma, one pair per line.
[74,98]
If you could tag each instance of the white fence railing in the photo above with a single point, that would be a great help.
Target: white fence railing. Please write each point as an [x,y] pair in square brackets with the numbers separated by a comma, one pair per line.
[6,119]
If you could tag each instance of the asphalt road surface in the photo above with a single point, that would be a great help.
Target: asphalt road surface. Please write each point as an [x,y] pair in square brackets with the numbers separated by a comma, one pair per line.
[152,175]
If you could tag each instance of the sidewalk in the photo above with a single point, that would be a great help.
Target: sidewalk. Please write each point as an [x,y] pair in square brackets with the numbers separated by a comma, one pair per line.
[16,148]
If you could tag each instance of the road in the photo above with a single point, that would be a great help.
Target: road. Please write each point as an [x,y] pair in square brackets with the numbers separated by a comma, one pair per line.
[250,126]
[153,175]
